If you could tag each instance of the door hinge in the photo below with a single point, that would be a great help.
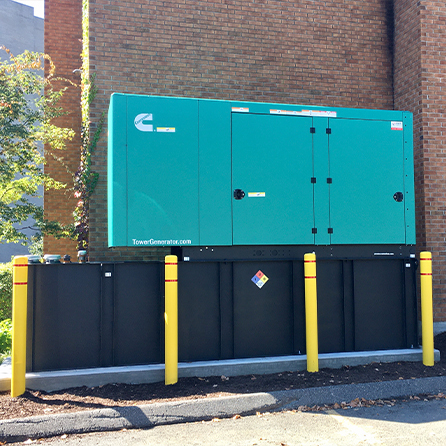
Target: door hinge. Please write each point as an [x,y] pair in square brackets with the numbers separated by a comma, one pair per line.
[313,180]
[314,230]
[330,230]
[328,131]
[329,180]
[312,130]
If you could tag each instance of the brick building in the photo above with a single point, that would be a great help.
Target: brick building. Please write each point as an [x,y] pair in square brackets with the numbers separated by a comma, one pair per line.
[378,54]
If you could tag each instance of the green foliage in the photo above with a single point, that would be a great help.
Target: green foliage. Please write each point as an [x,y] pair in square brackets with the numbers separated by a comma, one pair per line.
[85,179]
[5,290]
[36,247]
[28,106]
[5,337]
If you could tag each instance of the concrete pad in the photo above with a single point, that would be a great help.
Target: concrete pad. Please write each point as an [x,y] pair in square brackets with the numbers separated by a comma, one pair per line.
[439,327]
[58,380]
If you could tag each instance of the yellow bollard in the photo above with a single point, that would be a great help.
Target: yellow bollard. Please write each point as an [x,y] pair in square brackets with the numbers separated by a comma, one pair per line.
[19,314]
[311,312]
[171,320]
[427,320]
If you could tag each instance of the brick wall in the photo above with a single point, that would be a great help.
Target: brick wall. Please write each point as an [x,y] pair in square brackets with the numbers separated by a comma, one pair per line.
[63,31]
[433,63]
[420,58]
[408,93]
[310,52]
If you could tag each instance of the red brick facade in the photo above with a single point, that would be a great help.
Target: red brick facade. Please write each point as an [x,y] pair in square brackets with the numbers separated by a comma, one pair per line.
[419,63]
[63,34]
[379,54]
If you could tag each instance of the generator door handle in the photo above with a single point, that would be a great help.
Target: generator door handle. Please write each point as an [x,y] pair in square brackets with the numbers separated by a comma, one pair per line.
[238,194]
[398,197]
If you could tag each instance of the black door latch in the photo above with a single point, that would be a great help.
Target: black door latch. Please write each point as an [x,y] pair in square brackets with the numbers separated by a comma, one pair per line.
[238,194]
[398,196]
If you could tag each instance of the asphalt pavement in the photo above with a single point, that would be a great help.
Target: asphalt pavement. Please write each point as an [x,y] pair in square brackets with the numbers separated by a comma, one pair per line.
[146,416]
[407,421]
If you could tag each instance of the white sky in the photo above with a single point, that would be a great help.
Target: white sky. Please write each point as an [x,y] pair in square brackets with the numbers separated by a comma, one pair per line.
[37,4]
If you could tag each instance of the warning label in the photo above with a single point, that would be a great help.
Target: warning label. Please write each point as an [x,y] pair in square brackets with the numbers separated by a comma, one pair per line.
[260,279]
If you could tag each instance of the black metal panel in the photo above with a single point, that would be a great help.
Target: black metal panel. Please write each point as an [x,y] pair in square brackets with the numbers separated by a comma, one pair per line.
[292,252]
[299,338]
[349,306]
[30,319]
[263,317]
[198,311]
[411,303]
[379,305]
[330,306]
[226,311]
[66,317]
[95,315]
[137,314]
[107,309]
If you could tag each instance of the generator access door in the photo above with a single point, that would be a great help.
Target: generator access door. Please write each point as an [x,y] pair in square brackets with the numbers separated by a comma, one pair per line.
[271,179]
[368,194]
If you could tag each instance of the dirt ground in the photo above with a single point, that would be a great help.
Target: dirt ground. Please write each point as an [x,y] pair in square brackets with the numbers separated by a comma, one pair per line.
[112,395]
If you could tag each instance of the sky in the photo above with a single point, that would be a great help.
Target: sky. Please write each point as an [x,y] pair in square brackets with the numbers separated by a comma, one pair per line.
[37,4]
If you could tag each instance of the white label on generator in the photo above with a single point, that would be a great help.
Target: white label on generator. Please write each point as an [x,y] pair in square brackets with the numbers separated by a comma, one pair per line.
[240,109]
[284,112]
[396,125]
[320,113]
[166,129]
[256,194]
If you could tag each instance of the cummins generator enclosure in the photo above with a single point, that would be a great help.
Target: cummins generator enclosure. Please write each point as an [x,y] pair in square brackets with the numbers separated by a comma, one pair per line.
[241,191]
[195,172]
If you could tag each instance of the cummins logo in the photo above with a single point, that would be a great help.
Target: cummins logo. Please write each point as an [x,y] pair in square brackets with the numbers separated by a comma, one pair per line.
[142,122]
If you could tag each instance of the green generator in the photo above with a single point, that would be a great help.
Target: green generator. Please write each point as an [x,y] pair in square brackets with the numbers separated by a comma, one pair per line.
[196,172]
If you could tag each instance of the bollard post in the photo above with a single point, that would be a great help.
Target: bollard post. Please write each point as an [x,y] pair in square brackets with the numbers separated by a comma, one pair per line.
[171,320]
[19,315]
[427,320]
[311,312]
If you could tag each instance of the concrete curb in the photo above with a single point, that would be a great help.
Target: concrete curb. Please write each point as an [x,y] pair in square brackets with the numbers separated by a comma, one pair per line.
[205,409]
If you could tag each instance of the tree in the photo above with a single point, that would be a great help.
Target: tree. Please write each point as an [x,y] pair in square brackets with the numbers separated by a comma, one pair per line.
[28,105]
